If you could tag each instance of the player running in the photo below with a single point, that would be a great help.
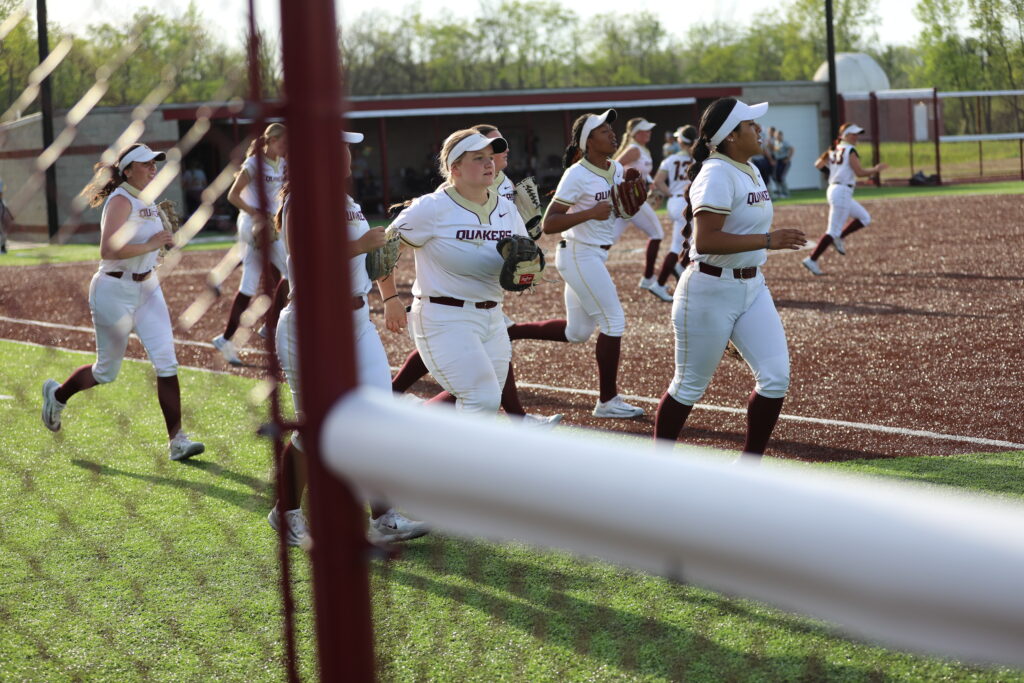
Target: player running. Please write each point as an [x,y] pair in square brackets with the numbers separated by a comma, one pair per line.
[672,180]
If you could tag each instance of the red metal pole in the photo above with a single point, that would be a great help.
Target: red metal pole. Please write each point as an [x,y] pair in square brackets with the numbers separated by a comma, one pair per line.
[385,179]
[938,129]
[876,135]
[314,110]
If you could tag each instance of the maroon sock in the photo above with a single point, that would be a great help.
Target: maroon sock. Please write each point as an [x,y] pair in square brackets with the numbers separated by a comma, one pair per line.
[293,484]
[652,256]
[280,301]
[168,391]
[410,372]
[607,352]
[670,418]
[80,380]
[668,267]
[823,243]
[443,397]
[549,330]
[238,307]
[762,414]
[852,227]
[510,395]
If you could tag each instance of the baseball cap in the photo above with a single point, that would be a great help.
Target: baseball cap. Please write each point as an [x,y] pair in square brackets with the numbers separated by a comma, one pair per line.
[644,124]
[593,122]
[350,137]
[853,128]
[474,143]
[740,112]
[141,153]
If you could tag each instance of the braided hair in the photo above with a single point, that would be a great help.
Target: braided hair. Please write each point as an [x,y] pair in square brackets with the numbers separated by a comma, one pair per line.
[710,121]
[573,153]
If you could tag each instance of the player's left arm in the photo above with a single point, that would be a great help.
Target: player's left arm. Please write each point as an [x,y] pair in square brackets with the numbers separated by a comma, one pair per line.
[394,308]
[862,172]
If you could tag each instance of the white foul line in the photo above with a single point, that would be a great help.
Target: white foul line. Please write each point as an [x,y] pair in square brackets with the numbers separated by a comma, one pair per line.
[902,431]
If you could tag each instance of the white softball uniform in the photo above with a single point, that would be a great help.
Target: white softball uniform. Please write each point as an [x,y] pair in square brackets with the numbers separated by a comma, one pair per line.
[504,186]
[252,261]
[841,183]
[675,168]
[591,299]
[646,219]
[121,304]
[457,321]
[731,301]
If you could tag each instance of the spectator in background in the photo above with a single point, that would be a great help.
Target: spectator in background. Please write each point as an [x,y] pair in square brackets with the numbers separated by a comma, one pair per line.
[763,162]
[671,145]
[194,182]
[782,153]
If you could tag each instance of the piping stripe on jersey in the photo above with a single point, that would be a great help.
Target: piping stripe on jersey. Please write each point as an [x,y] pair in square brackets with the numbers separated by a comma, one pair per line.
[593,297]
[712,209]
[746,168]
[607,173]
[482,212]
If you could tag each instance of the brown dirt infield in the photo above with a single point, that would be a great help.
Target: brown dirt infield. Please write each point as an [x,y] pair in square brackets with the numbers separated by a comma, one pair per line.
[918,327]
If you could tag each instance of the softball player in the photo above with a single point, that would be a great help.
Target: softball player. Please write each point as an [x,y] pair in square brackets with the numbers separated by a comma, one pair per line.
[244,194]
[633,153]
[125,294]
[722,296]
[582,211]
[672,181]
[457,321]
[386,524]
[844,168]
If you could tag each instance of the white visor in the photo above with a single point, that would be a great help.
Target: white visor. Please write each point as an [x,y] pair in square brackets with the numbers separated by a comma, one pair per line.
[681,134]
[140,153]
[643,125]
[474,143]
[351,138]
[855,129]
[740,112]
[594,122]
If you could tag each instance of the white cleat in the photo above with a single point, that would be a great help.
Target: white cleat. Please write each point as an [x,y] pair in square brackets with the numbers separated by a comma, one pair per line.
[840,245]
[183,448]
[812,266]
[646,282]
[298,530]
[51,406]
[264,332]
[617,408]
[659,291]
[541,421]
[392,527]
[227,349]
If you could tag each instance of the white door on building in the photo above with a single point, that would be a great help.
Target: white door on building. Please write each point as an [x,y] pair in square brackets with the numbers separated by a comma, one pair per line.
[800,125]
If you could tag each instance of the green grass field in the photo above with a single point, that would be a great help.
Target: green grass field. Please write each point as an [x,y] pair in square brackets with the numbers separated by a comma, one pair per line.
[118,565]
[65,253]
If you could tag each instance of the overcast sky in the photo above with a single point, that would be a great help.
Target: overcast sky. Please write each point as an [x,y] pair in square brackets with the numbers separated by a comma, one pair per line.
[898,24]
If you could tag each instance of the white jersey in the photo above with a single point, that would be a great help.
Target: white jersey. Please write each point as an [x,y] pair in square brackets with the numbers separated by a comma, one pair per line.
[675,168]
[273,177]
[737,192]
[839,170]
[643,163]
[503,186]
[359,280]
[143,222]
[582,187]
[455,244]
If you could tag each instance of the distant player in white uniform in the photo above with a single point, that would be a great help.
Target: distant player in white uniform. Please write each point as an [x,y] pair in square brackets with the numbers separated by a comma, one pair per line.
[722,296]
[386,524]
[244,194]
[671,180]
[844,168]
[456,320]
[125,294]
[633,153]
[581,212]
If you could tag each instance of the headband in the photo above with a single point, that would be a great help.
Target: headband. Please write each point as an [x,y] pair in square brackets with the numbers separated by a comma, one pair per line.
[140,153]
[740,112]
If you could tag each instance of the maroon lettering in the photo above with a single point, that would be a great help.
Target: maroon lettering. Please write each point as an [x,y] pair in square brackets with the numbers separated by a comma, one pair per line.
[486,235]
[757,197]
[601,196]
[352,216]
[148,213]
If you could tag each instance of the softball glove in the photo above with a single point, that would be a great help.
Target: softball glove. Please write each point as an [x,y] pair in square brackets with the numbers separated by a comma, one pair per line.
[629,195]
[524,262]
[527,201]
[381,261]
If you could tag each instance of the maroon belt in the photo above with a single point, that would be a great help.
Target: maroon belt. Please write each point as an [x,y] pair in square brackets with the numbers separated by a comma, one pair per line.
[738,273]
[358,302]
[459,303]
[606,247]
[138,277]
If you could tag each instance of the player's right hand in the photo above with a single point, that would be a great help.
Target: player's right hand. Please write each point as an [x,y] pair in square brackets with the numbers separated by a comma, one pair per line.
[372,239]
[601,212]
[788,238]
[162,239]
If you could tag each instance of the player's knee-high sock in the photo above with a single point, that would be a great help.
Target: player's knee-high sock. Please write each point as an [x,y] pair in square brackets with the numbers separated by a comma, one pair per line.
[762,414]
[168,391]
[80,380]
[510,395]
[823,244]
[853,226]
[549,330]
[411,371]
[238,307]
[670,418]
[668,267]
[652,256]
[443,397]
[293,470]
[280,301]
[607,352]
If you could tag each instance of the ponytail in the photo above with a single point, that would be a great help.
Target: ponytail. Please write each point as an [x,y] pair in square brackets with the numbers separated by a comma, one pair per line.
[701,151]
[257,143]
[573,153]
[710,121]
[105,179]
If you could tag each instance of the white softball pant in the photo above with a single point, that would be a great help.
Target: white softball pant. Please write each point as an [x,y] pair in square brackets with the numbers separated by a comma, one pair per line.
[252,258]
[645,219]
[121,306]
[466,349]
[591,300]
[841,207]
[676,207]
[707,312]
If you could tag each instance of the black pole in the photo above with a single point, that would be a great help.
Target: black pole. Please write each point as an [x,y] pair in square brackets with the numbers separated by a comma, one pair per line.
[833,99]
[46,103]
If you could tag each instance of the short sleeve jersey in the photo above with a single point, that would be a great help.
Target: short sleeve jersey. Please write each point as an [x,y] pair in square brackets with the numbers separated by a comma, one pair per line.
[359,280]
[644,164]
[455,243]
[503,186]
[273,177]
[736,191]
[839,170]
[582,187]
[143,222]
[675,168]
